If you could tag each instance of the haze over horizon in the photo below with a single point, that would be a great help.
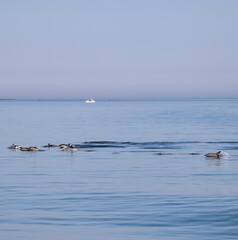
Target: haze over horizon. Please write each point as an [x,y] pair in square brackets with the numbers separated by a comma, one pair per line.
[118,49]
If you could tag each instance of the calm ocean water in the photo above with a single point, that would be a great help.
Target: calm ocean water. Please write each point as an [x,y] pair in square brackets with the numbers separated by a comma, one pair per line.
[140,172]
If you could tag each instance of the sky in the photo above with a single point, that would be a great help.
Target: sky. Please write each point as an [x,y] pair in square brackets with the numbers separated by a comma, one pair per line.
[118,49]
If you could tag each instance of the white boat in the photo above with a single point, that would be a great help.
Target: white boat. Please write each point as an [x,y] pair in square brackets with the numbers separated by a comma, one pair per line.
[90,100]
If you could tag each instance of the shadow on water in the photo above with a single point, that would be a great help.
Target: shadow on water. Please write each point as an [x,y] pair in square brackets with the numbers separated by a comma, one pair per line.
[160,147]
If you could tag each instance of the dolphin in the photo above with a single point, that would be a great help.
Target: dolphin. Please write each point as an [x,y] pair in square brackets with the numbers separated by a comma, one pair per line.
[49,145]
[14,146]
[30,149]
[214,155]
[69,147]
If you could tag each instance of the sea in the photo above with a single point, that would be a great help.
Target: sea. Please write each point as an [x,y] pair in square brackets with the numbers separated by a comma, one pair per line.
[139,170]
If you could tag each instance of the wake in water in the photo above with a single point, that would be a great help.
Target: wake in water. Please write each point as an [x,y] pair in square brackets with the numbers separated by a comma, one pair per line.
[159,148]
[225,155]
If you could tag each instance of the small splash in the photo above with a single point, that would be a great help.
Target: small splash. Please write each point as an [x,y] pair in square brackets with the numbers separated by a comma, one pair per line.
[225,155]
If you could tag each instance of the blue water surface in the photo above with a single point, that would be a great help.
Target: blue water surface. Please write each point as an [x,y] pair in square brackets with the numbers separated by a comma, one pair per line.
[140,171]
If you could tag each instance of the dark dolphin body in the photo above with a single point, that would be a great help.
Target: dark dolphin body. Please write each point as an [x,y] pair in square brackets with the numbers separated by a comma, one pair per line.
[69,147]
[49,145]
[29,149]
[214,155]
[14,146]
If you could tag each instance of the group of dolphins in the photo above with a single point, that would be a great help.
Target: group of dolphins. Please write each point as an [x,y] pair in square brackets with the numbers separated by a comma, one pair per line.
[62,146]
[71,147]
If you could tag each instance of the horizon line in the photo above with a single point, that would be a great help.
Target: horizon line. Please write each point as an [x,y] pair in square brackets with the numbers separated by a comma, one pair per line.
[120,99]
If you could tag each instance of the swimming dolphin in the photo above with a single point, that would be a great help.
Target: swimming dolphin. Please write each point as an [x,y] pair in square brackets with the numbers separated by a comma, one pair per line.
[14,146]
[34,148]
[29,149]
[63,145]
[49,145]
[25,149]
[214,155]
[69,147]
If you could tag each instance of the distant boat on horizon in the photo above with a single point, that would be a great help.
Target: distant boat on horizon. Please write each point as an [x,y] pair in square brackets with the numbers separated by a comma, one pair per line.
[90,100]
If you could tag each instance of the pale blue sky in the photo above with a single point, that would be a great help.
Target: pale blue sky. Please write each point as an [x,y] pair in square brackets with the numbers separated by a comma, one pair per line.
[112,49]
